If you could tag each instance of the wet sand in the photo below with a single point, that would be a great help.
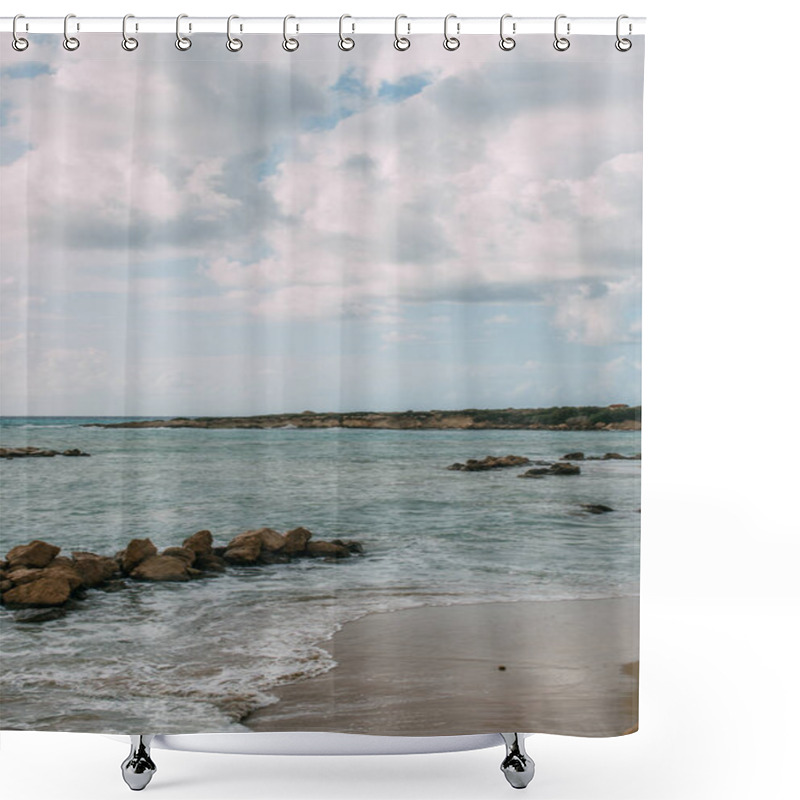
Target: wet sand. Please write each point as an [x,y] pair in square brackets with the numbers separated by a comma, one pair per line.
[566,667]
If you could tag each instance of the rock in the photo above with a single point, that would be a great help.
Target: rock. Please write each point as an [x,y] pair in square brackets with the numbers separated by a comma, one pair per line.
[271,540]
[74,452]
[32,452]
[209,562]
[200,542]
[352,546]
[136,552]
[326,549]
[244,548]
[559,468]
[35,554]
[27,615]
[47,591]
[5,585]
[22,575]
[490,462]
[596,508]
[577,456]
[162,568]
[180,552]
[565,469]
[273,558]
[535,472]
[94,569]
[66,571]
[296,541]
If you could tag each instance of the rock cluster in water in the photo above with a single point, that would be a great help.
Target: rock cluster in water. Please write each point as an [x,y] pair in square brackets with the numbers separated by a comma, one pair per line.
[36,578]
[490,462]
[32,452]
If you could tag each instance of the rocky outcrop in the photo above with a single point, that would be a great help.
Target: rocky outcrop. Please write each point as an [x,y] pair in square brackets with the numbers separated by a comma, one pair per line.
[490,462]
[559,468]
[614,457]
[37,452]
[35,577]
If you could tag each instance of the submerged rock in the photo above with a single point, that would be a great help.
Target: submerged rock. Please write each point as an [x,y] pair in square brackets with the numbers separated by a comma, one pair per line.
[577,456]
[28,615]
[327,549]
[37,452]
[559,468]
[490,462]
[35,554]
[596,508]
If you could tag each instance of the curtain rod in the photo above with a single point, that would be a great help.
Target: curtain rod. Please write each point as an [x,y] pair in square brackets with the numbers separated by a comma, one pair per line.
[385,25]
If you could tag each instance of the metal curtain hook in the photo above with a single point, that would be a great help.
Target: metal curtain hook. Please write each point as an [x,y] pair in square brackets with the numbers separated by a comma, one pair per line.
[507,42]
[18,42]
[561,43]
[289,44]
[346,42]
[181,42]
[401,42]
[451,42]
[70,42]
[623,45]
[233,44]
[129,43]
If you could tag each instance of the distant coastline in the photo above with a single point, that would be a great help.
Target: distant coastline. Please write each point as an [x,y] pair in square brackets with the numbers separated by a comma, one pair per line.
[617,417]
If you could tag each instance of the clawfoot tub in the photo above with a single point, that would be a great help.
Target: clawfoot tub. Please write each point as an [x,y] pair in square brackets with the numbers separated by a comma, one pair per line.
[138,768]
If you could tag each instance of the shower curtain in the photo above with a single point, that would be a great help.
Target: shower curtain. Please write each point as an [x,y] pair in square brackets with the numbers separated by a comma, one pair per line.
[321,385]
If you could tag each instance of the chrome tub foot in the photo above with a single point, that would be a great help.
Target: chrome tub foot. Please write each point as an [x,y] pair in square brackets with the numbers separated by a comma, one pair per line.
[517,766]
[138,768]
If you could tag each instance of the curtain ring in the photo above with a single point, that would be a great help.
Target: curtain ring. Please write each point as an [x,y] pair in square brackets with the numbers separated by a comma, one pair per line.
[451,42]
[401,42]
[561,43]
[129,43]
[289,44]
[345,42]
[623,45]
[507,42]
[18,42]
[181,42]
[70,42]
[233,44]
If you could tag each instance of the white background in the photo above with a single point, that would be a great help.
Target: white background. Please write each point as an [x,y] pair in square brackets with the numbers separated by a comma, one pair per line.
[720,599]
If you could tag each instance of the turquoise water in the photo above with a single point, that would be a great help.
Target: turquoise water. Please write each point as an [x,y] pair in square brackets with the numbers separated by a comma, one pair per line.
[196,657]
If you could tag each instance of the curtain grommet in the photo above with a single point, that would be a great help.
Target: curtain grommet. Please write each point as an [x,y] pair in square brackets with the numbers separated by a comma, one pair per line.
[561,43]
[507,42]
[289,44]
[183,43]
[451,43]
[233,44]
[622,44]
[129,43]
[401,43]
[71,43]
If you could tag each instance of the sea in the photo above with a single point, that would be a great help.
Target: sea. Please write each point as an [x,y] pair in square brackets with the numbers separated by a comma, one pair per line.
[198,657]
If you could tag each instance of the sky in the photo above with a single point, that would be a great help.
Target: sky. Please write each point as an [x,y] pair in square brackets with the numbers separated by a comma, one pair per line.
[209,233]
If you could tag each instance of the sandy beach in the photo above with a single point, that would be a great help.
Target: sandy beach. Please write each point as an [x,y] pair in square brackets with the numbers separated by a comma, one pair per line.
[568,667]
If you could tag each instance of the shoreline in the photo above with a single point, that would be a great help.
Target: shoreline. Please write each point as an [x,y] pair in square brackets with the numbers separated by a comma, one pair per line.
[571,418]
[549,666]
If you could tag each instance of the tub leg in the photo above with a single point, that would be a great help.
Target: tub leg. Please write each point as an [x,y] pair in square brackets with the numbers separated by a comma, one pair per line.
[138,768]
[517,766]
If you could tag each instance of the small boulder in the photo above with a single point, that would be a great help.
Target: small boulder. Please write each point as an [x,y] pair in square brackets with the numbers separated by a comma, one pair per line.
[74,452]
[535,472]
[209,562]
[162,568]
[66,571]
[28,615]
[271,540]
[244,548]
[326,550]
[577,456]
[47,591]
[35,554]
[200,542]
[490,462]
[180,552]
[94,569]
[296,541]
[136,552]
[22,575]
